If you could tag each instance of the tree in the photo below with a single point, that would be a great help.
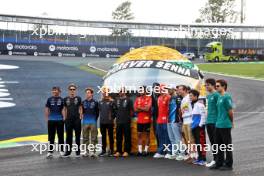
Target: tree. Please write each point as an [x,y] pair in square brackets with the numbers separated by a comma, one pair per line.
[218,11]
[122,12]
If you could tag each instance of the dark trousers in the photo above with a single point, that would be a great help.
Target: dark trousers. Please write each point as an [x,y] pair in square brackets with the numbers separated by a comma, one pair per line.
[200,141]
[163,138]
[73,125]
[155,128]
[123,130]
[110,129]
[211,135]
[223,136]
[53,127]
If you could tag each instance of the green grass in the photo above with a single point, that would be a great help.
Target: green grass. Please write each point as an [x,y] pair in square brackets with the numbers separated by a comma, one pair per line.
[240,69]
[92,70]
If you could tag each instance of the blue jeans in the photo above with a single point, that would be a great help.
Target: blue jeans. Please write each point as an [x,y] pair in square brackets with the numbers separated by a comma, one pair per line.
[175,136]
[162,133]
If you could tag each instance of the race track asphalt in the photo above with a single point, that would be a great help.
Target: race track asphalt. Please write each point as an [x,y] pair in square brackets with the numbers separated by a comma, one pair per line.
[248,136]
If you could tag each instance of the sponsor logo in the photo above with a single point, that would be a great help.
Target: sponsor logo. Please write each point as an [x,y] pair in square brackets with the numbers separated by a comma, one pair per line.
[63,48]
[35,53]
[10,53]
[9,46]
[83,54]
[67,48]
[107,55]
[59,54]
[44,54]
[52,48]
[92,49]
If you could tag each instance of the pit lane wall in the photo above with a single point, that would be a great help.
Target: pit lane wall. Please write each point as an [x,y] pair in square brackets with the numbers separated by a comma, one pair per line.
[38,49]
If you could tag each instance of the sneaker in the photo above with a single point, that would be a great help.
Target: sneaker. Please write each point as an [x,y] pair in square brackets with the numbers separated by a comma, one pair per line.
[78,155]
[199,162]
[210,164]
[226,168]
[86,154]
[49,155]
[61,154]
[66,155]
[195,162]
[167,156]
[186,157]
[194,155]
[157,155]
[110,153]
[125,154]
[102,154]
[180,158]
[139,154]
[214,167]
[172,157]
[93,155]
[117,154]
[145,154]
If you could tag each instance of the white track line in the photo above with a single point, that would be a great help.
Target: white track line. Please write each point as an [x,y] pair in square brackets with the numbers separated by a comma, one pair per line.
[235,76]
[249,112]
[9,82]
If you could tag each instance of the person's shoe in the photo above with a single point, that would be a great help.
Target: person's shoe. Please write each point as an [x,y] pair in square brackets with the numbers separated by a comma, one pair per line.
[49,155]
[186,157]
[214,167]
[102,154]
[78,155]
[226,168]
[86,154]
[194,156]
[210,164]
[195,162]
[172,157]
[180,158]
[110,153]
[145,153]
[61,154]
[157,155]
[117,154]
[125,154]
[93,155]
[167,156]
[66,155]
[199,162]
[139,154]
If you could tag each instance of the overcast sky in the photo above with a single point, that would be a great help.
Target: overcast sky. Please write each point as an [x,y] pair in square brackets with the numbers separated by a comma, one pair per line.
[159,11]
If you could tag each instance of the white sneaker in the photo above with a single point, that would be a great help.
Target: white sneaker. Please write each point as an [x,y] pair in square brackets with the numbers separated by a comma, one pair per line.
[167,156]
[172,157]
[194,155]
[157,155]
[49,155]
[186,157]
[93,155]
[210,164]
[180,158]
[86,154]
[61,154]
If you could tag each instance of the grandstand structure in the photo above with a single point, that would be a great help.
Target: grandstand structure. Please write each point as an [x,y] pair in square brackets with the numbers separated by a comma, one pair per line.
[58,36]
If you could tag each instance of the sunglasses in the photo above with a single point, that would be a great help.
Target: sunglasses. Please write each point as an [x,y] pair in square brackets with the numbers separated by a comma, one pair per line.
[72,89]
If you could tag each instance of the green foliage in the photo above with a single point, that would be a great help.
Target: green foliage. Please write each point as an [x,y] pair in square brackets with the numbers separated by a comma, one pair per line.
[122,13]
